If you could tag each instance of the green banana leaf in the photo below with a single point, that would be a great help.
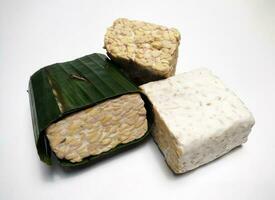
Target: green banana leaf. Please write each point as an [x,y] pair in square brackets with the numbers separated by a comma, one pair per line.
[63,88]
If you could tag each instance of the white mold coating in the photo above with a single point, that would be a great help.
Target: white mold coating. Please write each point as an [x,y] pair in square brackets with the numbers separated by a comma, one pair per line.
[198,119]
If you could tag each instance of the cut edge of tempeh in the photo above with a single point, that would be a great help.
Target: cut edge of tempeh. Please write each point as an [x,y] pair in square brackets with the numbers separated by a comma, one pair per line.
[98,129]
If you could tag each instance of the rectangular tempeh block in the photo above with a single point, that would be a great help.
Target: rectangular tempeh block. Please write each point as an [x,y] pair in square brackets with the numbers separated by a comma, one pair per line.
[144,51]
[98,129]
[197,118]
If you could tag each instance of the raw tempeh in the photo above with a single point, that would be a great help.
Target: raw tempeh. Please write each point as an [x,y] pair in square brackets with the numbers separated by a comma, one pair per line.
[197,118]
[144,51]
[98,129]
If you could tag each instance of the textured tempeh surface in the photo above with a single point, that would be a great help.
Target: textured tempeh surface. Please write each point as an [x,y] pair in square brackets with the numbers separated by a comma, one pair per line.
[99,128]
[197,118]
[145,51]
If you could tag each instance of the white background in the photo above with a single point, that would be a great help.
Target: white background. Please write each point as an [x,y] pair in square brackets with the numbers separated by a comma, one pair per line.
[234,38]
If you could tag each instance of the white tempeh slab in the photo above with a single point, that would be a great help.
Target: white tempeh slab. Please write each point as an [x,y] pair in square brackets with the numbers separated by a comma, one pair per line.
[197,118]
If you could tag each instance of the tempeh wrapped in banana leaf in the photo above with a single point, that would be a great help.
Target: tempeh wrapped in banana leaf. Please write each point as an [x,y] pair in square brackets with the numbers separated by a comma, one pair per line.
[85,109]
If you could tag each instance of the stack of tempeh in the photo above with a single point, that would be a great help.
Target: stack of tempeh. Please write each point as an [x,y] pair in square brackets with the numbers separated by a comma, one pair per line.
[89,109]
